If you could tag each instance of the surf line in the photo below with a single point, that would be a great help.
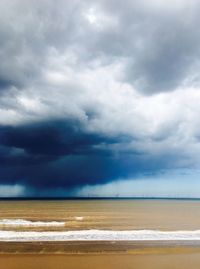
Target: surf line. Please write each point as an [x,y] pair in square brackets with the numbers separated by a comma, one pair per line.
[99,235]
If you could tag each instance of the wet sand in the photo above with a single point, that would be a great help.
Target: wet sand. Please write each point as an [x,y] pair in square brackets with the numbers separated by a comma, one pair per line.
[99,261]
[107,255]
[99,247]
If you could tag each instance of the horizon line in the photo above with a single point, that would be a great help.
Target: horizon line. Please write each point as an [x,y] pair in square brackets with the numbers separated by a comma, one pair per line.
[97,198]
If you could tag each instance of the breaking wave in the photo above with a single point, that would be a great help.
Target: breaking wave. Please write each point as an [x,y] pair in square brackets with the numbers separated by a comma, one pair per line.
[100,235]
[28,223]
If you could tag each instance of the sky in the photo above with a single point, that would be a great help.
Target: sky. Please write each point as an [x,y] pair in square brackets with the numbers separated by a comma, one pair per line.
[100,98]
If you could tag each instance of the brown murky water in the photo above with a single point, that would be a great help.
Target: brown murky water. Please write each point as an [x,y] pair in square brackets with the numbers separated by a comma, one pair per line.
[106,214]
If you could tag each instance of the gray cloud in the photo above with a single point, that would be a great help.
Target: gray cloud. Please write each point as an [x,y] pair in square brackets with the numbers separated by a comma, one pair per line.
[158,44]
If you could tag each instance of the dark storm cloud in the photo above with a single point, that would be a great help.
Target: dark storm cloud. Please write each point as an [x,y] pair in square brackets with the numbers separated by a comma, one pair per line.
[71,171]
[51,138]
[54,154]
[49,155]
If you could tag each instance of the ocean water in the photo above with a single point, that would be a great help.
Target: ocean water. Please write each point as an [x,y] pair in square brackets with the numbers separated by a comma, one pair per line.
[104,219]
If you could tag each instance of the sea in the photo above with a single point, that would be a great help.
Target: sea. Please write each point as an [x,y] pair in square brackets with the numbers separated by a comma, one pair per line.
[99,219]
[129,228]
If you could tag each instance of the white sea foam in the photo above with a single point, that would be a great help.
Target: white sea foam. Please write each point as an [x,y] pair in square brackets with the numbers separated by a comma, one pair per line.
[28,223]
[100,235]
[78,218]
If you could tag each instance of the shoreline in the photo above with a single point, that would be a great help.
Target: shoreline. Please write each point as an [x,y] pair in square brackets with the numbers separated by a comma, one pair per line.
[98,247]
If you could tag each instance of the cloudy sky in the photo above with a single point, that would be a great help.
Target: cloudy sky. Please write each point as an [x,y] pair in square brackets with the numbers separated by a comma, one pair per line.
[100,98]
